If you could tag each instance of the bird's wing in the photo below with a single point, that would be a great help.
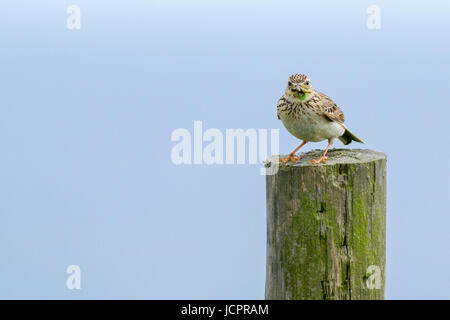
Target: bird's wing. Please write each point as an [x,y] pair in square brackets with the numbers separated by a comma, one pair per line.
[280,106]
[330,110]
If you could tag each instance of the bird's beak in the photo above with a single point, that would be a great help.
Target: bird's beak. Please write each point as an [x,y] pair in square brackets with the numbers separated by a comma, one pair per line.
[298,89]
[305,90]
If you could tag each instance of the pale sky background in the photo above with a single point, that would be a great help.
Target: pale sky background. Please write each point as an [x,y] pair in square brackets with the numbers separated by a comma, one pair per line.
[86,118]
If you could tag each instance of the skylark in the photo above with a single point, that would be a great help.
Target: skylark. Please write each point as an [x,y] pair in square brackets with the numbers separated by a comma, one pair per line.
[311,116]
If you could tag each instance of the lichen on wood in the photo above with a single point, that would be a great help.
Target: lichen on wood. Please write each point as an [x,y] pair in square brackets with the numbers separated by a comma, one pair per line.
[326,227]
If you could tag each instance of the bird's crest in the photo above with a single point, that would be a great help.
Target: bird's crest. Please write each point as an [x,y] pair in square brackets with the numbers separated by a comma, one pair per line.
[298,78]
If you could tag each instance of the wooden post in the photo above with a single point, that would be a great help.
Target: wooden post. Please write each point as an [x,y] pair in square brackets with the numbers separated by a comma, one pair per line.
[326,227]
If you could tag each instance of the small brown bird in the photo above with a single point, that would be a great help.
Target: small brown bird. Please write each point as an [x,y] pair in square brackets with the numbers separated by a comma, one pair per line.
[311,116]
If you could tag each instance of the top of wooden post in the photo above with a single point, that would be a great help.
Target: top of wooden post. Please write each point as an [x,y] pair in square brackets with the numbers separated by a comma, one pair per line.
[335,156]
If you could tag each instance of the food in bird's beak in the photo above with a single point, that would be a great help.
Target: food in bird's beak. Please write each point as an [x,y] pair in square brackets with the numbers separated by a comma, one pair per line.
[298,93]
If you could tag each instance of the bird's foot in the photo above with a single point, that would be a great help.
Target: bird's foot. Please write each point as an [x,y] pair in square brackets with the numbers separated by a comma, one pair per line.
[322,159]
[289,158]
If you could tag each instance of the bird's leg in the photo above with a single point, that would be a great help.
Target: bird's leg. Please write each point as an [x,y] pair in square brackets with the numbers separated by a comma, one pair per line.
[291,156]
[323,158]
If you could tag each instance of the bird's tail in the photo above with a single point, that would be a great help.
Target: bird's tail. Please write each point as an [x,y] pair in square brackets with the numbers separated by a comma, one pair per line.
[348,137]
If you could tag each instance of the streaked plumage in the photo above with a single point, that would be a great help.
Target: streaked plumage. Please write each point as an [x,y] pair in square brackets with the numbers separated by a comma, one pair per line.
[311,115]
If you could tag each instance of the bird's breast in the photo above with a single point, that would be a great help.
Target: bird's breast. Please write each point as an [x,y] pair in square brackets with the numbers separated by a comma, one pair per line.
[307,123]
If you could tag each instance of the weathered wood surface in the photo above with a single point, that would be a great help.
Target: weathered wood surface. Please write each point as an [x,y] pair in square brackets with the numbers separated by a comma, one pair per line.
[326,227]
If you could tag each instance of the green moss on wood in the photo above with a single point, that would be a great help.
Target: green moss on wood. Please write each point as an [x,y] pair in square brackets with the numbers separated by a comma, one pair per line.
[326,226]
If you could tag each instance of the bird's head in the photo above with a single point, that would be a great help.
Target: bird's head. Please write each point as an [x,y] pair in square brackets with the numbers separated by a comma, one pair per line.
[298,87]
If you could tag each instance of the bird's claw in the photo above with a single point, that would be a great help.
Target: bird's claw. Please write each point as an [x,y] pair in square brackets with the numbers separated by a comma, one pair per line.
[289,158]
[320,160]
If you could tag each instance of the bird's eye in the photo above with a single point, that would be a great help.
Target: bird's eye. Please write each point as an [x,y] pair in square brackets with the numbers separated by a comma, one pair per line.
[290,84]
[307,83]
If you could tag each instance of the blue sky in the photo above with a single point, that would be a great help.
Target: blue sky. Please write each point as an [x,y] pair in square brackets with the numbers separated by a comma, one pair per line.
[87,116]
